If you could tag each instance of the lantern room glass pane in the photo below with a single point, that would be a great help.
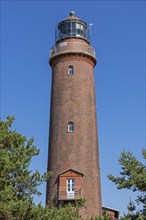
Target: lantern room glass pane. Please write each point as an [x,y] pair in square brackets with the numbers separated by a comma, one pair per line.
[67,29]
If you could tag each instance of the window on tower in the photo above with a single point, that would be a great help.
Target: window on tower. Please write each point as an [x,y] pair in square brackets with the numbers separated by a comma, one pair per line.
[70,188]
[70,185]
[70,126]
[70,70]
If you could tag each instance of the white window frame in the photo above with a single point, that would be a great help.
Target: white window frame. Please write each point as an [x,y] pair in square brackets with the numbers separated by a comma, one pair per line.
[70,126]
[70,188]
[70,70]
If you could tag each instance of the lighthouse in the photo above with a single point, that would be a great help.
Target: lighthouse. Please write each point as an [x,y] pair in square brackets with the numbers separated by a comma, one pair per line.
[73,153]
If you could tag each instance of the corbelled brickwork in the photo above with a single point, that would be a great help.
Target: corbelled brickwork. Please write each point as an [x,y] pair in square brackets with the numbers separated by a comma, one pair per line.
[73,99]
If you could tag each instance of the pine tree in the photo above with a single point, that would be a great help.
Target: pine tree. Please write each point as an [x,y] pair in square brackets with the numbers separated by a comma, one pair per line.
[132,177]
[18,184]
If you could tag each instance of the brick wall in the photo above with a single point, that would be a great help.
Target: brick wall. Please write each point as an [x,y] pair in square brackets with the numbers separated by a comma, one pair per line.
[73,99]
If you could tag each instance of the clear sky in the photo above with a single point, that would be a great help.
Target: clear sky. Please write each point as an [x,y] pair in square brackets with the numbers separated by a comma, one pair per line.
[118,36]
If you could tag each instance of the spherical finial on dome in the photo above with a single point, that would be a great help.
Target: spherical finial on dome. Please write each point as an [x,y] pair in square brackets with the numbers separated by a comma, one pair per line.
[72,14]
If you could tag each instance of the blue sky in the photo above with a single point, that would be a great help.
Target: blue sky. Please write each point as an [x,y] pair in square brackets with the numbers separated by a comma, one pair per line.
[118,36]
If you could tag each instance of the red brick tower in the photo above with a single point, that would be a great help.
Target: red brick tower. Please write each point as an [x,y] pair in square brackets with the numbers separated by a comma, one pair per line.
[73,141]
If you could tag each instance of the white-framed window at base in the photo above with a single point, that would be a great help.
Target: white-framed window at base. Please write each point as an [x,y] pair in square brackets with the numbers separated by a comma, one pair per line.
[70,70]
[70,188]
[70,126]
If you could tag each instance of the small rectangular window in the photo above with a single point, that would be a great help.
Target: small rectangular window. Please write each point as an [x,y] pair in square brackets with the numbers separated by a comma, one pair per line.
[70,126]
[70,70]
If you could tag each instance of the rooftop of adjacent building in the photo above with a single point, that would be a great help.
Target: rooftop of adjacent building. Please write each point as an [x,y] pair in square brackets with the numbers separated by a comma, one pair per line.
[113,213]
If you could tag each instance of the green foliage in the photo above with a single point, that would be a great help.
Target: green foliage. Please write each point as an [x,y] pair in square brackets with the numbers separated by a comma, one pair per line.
[133,177]
[17,183]
[103,217]
[132,213]
[69,212]
[131,206]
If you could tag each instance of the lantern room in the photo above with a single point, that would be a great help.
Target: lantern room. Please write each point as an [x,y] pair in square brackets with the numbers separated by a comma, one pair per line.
[72,27]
